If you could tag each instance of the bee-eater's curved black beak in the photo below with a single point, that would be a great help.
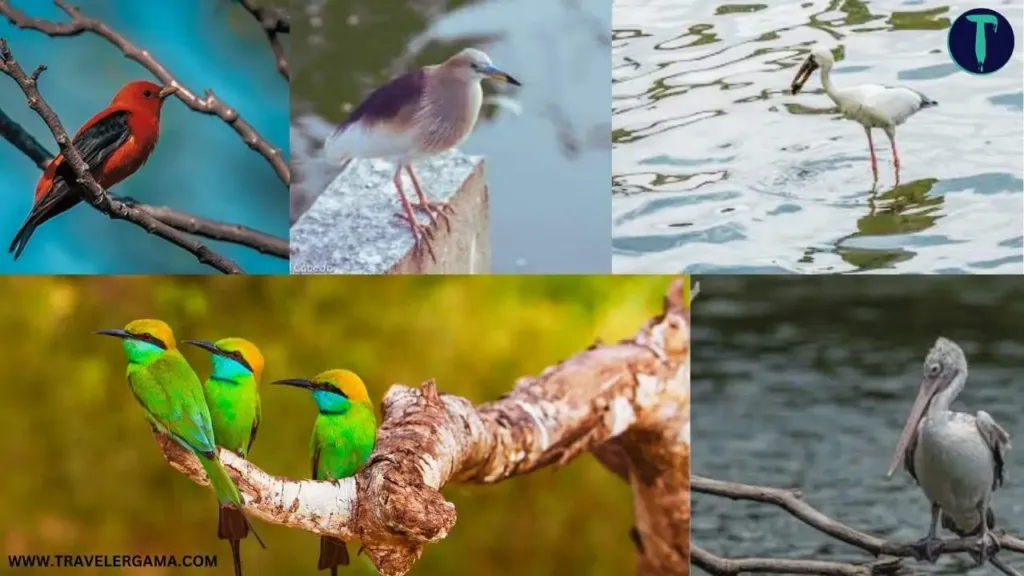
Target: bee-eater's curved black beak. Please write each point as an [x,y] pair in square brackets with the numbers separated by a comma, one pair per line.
[297,382]
[208,346]
[114,333]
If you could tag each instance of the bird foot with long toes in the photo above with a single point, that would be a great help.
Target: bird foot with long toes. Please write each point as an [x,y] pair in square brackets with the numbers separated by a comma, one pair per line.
[928,548]
[986,546]
[437,210]
[422,236]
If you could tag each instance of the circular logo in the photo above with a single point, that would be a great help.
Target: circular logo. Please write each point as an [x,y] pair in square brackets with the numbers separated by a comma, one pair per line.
[980,41]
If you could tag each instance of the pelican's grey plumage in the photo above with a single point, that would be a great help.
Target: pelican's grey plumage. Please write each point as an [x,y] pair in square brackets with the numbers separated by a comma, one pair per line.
[872,105]
[956,458]
[414,116]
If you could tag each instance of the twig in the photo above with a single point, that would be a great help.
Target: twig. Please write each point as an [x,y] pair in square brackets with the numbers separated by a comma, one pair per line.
[209,105]
[620,395]
[22,140]
[235,233]
[274,22]
[214,230]
[721,566]
[791,501]
[94,193]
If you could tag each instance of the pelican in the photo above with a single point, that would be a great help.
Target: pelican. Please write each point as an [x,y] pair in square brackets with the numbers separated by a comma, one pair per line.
[872,105]
[956,458]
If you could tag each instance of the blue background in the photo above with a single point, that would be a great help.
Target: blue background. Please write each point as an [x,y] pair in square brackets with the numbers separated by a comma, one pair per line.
[998,46]
[200,166]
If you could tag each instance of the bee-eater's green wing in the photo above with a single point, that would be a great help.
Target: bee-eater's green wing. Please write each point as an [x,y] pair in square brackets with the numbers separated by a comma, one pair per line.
[189,416]
[316,460]
[255,426]
[151,396]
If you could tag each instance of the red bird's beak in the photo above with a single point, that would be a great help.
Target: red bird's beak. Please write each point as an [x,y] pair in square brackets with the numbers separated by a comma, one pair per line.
[167,91]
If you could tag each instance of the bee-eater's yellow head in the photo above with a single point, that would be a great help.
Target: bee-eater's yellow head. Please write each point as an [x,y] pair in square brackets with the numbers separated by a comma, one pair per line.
[144,339]
[346,382]
[154,329]
[334,391]
[233,357]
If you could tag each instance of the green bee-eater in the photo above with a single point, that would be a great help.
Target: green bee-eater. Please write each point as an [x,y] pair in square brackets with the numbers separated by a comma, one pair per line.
[234,403]
[343,437]
[169,391]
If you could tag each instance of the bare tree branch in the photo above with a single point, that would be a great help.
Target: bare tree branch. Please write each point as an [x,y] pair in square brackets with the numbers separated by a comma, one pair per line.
[22,140]
[209,105]
[792,501]
[625,396]
[94,194]
[212,229]
[274,22]
[215,230]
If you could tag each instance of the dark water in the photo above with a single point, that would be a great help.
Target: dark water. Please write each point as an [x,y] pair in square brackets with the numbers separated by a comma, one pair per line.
[547,168]
[806,383]
[717,168]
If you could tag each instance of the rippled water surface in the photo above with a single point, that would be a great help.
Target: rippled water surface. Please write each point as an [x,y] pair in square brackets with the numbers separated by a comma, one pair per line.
[717,168]
[806,382]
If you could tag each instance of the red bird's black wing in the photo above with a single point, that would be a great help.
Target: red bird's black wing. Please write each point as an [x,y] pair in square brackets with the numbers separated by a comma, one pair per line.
[95,143]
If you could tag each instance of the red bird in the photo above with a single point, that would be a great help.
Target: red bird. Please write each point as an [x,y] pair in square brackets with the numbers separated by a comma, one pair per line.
[114,144]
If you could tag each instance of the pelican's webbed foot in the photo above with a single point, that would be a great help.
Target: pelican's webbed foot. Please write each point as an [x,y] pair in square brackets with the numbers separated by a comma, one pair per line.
[986,547]
[928,548]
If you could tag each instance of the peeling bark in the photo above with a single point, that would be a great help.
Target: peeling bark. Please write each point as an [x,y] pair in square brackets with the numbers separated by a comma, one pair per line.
[628,403]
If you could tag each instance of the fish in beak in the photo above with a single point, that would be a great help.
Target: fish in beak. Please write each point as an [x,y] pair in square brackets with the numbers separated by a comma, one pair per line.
[803,74]
[930,387]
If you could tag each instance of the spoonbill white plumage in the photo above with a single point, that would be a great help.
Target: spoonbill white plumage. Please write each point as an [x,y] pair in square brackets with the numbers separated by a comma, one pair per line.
[872,105]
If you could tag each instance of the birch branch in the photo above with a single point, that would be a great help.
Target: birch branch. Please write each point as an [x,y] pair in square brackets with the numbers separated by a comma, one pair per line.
[629,398]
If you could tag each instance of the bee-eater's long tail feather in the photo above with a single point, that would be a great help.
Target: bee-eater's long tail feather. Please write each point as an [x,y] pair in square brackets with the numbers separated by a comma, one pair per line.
[255,533]
[225,489]
[333,553]
[223,486]
[236,555]
[232,525]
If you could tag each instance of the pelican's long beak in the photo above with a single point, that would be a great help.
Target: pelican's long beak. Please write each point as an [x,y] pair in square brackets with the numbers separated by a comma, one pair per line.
[208,346]
[925,394]
[297,382]
[496,74]
[808,67]
[115,333]
[166,91]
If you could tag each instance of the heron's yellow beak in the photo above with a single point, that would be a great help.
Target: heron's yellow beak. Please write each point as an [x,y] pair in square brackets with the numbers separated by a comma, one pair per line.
[805,71]
[496,74]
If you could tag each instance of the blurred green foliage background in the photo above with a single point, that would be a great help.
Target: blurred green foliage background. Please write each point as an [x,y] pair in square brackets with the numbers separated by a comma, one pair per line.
[82,474]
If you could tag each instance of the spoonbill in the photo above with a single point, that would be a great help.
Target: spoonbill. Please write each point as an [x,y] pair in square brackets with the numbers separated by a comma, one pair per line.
[872,105]
[956,458]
